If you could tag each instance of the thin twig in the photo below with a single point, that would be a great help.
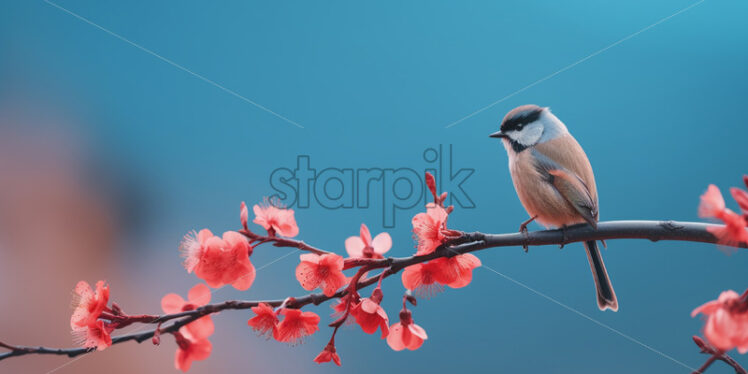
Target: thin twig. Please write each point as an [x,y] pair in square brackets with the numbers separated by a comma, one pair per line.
[716,354]
[280,241]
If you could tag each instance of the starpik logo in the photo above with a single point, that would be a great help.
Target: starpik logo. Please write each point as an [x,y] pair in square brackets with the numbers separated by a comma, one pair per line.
[388,189]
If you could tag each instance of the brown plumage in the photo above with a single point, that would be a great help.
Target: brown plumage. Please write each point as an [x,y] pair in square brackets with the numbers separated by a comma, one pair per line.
[544,199]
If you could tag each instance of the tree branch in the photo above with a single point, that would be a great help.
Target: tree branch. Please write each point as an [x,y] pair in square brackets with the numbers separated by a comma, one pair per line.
[463,243]
[280,241]
[716,354]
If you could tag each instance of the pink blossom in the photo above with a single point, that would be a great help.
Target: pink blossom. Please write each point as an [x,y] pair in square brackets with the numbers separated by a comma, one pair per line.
[323,271]
[364,246]
[427,228]
[295,325]
[727,321]
[328,354]
[463,265]
[219,261]
[428,278]
[190,349]
[406,334]
[713,206]
[87,305]
[198,296]
[264,321]
[276,220]
[370,315]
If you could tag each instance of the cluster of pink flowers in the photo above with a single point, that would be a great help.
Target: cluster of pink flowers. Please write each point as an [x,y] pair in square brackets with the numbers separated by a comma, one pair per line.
[713,206]
[226,260]
[727,317]
[429,277]
[727,321]
[430,231]
[218,261]
[221,261]
[295,325]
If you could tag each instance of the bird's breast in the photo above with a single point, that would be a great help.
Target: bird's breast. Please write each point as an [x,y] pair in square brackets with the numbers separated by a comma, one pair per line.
[537,195]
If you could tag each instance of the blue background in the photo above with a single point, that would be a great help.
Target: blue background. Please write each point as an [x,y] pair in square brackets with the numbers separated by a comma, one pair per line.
[374,85]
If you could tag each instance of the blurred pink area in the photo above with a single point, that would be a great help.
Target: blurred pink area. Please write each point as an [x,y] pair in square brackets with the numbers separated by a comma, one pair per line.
[59,223]
[56,227]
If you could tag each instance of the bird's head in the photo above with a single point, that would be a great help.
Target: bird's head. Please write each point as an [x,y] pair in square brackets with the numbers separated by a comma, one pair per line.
[528,125]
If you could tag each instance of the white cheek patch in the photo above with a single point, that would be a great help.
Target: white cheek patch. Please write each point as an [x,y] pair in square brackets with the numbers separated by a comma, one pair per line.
[529,135]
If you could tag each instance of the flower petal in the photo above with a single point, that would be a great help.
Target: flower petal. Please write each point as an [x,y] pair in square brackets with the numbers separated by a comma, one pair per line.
[306,274]
[412,276]
[354,246]
[365,234]
[369,306]
[395,338]
[204,235]
[172,303]
[201,328]
[310,257]
[707,308]
[245,281]
[382,243]
[418,331]
[712,202]
[199,295]
[201,349]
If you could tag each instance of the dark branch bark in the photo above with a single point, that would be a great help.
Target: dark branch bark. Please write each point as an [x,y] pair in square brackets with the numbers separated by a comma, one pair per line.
[467,242]
[280,241]
[716,354]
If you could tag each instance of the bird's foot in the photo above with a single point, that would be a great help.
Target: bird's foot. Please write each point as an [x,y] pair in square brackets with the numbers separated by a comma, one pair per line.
[564,238]
[523,230]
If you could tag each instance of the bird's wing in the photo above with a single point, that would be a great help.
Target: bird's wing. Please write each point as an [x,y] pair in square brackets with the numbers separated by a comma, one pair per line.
[569,185]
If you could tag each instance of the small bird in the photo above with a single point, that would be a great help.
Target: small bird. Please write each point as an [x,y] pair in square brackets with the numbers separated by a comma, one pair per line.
[554,181]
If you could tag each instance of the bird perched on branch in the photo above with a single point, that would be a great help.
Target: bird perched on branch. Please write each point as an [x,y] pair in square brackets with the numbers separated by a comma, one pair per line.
[554,181]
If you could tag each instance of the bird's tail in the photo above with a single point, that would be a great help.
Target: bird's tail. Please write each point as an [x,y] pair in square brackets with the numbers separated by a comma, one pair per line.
[606,297]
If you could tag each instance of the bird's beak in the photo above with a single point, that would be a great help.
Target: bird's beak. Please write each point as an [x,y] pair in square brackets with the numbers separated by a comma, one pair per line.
[498,134]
